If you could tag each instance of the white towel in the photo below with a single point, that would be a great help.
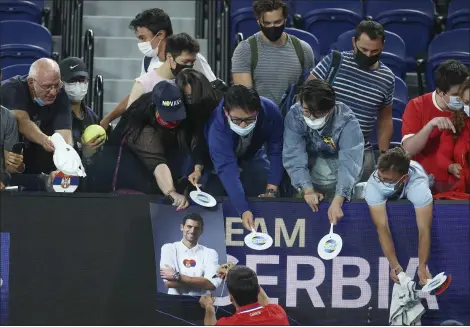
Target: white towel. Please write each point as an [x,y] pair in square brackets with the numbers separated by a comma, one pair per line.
[66,159]
[406,308]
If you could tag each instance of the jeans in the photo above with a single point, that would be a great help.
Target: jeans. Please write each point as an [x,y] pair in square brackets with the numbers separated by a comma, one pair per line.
[253,176]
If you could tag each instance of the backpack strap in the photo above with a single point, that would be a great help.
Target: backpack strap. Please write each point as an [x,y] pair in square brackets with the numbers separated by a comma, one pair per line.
[298,50]
[147,61]
[334,66]
[254,53]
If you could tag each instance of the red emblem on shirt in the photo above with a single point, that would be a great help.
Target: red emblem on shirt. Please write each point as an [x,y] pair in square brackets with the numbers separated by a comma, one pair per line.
[189,263]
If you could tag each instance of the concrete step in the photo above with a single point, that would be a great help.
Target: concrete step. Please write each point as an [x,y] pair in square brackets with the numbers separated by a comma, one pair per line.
[176,8]
[116,89]
[117,68]
[108,107]
[119,25]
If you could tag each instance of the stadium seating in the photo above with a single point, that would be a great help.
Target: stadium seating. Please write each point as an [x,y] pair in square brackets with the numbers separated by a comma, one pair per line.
[413,21]
[23,42]
[401,90]
[20,10]
[14,70]
[398,108]
[454,44]
[458,15]
[328,19]
[309,38]
[244,22]
[393,55]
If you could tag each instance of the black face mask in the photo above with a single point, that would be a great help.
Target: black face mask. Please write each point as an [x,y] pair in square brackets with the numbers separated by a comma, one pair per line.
[175,71]
[364,61]
[273,33]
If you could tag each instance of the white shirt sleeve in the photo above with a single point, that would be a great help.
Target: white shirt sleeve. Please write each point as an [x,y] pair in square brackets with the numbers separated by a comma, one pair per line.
[419,194]
[167,256]
[202,66]
[211,266]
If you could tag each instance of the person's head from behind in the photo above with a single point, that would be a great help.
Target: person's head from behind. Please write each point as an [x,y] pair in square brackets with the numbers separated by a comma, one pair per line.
[271,16]
[392,169]
[448,78]
[368,43]
[151,27]
[241,106]
[44,81]
[318,99]
[75,78]
[192,227]
[181,52]
[169,106]
[243,286]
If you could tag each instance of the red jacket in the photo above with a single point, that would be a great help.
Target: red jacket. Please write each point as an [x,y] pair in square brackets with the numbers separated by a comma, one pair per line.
[451,151]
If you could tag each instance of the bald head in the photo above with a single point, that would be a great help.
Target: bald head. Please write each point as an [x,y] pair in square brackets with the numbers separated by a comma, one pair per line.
[44,79]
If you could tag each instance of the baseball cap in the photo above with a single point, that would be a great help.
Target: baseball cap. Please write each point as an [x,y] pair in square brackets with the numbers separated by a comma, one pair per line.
[167,98]
[72,67]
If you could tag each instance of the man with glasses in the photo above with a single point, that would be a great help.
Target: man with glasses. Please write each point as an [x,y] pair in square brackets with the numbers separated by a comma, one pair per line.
[236,132]
[323,148]
[41,108]
[399,177]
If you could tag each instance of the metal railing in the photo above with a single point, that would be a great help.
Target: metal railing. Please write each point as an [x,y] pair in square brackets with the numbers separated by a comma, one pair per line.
[88,58]
[68,22]
[201,16]
[225,42]
[98,97]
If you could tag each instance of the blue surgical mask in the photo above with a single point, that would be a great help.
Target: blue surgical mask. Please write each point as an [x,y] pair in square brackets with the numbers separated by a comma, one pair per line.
[242,131]
[39,101]
[455,103]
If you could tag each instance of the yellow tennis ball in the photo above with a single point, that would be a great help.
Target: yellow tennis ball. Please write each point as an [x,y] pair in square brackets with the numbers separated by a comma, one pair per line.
[93,131]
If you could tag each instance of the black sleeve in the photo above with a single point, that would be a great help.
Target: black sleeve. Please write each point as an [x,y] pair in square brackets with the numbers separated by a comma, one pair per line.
[63,119]
[13,96]
[200,149]
[148,148]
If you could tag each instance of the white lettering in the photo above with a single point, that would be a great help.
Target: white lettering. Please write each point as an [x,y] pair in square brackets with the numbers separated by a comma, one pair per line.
[383,283]
[253,261]
[339,281]
[230,230]
[299,230]
[309,285]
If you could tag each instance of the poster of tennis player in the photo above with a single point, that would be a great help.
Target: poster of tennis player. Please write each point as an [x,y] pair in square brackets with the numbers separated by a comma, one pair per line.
[189,247]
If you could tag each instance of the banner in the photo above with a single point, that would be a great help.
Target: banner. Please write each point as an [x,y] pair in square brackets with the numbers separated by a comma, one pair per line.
[4,277]
[354,288]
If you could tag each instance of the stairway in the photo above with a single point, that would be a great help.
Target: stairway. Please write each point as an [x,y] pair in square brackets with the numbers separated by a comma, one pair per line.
[117,57]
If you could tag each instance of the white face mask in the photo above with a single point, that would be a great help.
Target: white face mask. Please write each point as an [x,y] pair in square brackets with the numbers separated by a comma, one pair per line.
[76,91]
[146,48]
[466,108]
[316,123]
[242,131]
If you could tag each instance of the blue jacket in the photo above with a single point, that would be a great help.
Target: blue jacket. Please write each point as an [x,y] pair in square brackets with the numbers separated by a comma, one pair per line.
[222,142]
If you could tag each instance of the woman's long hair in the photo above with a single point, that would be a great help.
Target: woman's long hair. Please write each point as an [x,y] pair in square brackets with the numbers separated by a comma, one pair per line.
[459,117]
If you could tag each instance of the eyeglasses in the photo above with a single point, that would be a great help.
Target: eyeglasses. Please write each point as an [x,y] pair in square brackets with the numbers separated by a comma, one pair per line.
[308,114]
[49,88]
[388,184]
[248,121]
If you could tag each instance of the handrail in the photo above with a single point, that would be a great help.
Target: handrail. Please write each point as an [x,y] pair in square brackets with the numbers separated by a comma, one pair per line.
[201,16]
[71,24]
[98,97]
[212,17]
[225,42]
[88,58]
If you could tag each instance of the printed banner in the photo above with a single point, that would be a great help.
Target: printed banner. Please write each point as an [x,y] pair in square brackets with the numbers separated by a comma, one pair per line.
[4,277]
[355,287]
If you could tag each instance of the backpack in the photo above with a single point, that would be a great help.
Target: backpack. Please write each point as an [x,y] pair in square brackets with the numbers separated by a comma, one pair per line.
[147,61]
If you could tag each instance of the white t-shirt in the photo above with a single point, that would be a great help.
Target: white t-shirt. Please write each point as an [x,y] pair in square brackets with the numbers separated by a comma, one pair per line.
[196,262]
[200,65]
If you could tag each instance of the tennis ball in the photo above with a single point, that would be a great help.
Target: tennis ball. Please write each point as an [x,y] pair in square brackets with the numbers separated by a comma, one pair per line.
[92,131]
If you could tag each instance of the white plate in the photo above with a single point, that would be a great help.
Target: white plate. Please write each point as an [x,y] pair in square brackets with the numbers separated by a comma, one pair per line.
[258,241]
[434,283]
[330,246]
[203,199]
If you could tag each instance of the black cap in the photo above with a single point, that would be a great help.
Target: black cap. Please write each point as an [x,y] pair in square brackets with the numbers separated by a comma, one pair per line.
[72,67]
[168,100]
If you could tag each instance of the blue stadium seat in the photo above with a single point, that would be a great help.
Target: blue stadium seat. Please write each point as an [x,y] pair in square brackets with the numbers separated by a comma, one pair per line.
[398,108]
[401,90]
[458,15]
[239,4]
[413,21]
[243,21]
[454,44]
[13,54]
[328,19]
[20,10]
[393,55]
[309,38]
[14,70]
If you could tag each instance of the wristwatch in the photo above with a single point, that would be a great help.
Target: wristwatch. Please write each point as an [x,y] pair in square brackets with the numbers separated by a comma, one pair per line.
[177,276]
[273,192]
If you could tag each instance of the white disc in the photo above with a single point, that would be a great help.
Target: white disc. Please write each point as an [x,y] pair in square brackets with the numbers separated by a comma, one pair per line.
[329,246]
[258,241]
[203,199]
[434,283]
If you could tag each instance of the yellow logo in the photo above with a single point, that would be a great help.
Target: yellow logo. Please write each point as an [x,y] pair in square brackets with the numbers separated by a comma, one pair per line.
[329,140]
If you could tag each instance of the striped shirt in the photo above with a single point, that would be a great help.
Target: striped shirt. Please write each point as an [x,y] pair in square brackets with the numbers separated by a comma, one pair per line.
[366,92]
[277,67]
